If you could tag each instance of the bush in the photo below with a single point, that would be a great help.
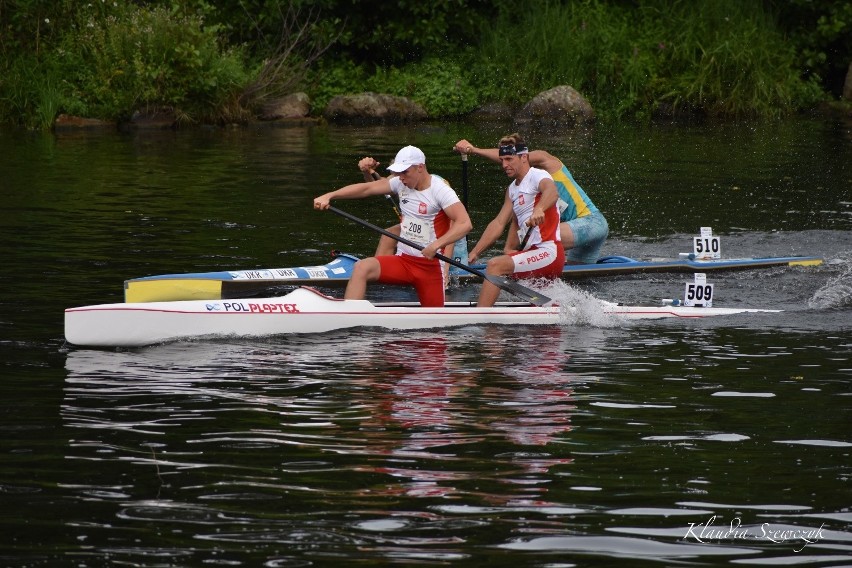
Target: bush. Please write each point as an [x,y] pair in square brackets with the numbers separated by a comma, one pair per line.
[730,60]
[722,57]
[592,46]
[439,86]
[132,57]
[31,93]
[330,79]
[726,57]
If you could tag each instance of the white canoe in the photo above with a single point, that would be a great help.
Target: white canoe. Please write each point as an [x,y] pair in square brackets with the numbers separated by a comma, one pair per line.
[306,310]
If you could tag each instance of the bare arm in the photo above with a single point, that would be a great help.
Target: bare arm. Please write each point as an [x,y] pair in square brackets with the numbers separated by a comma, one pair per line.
[465,147]
[513,242]
[493,231]
[547,187]
[460,225]
[544,160]
[538,158]
[353,191]
[368,167]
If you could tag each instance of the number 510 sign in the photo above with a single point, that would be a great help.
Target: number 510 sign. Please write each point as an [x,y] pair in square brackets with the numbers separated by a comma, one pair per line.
[698,293]
[706,246]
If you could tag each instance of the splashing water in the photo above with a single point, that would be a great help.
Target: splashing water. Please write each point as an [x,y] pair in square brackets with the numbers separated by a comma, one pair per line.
[837,292]
[578,307]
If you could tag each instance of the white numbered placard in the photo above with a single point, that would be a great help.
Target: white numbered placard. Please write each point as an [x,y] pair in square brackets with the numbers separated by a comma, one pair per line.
[416,231]
[698,293]
[706,246]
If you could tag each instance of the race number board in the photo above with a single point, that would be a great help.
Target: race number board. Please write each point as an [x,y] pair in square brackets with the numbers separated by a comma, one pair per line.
[706,246]
[698,293]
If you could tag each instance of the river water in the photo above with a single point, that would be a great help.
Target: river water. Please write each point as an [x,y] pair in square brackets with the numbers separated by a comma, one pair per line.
[699,443]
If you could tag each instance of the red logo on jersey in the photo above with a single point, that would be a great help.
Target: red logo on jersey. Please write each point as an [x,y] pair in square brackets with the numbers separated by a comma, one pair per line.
[521,199]
[422,208]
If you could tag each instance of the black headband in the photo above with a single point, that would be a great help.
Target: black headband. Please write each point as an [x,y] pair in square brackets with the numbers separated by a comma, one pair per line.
[513,149]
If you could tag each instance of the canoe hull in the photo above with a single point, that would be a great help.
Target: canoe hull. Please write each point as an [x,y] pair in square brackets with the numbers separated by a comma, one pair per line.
[306,310]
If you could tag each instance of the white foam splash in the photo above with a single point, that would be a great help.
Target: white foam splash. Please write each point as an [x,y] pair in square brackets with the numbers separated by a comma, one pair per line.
[837,292]
[578,307]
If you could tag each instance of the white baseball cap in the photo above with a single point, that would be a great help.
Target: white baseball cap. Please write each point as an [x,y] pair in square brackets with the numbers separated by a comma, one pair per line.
[407,157]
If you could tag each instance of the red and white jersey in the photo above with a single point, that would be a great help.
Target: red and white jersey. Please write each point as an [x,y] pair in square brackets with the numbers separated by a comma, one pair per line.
[525,195]
[423,217]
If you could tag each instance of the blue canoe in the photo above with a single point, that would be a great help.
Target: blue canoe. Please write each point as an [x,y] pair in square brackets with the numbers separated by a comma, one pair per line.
[240,283]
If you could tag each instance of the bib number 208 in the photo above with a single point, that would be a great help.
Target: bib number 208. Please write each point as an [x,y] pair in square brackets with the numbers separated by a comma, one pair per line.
[416,232]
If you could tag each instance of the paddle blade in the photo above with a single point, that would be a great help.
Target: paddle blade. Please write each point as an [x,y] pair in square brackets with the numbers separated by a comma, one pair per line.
[522,292]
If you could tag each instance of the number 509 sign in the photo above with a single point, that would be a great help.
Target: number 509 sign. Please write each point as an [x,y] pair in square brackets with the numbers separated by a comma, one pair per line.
[698,293]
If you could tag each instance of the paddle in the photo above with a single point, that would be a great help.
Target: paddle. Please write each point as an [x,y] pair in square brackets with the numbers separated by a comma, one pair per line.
[501,282]
[377,177]
[526,238]
[460,248]
[464,180]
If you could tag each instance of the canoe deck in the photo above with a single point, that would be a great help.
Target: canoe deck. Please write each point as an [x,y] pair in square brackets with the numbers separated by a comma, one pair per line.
[335,274]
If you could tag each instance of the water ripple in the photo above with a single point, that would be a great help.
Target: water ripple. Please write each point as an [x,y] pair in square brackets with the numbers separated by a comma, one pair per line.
[413,446]
[623,547]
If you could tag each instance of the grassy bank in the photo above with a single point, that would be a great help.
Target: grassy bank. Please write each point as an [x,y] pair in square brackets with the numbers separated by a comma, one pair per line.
[727,58]
[112,59]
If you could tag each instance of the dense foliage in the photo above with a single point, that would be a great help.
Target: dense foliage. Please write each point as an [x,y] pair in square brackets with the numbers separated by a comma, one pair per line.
[216,61]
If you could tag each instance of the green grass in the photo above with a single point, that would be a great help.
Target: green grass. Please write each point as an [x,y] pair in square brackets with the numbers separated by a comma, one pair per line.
[630,59]
[719,57]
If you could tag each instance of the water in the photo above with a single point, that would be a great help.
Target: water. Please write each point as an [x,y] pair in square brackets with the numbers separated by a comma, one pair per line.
[702,443]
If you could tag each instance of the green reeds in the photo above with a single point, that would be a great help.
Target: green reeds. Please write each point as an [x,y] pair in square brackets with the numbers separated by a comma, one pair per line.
[719,57]
[595,47]
[726,57]
[48,105]
[28,95]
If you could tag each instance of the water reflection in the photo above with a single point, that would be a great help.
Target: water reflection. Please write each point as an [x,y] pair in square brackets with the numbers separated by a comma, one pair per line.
[418,411]
[429,402]
[405,445]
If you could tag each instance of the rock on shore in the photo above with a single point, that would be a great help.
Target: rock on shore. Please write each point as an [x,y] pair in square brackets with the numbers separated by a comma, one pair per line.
[559,106]
[373,108]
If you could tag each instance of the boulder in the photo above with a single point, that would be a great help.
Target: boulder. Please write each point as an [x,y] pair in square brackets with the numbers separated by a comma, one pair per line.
[71,122]
[493,111]
[293,106]
[561,105]
[157,118]
[371,108]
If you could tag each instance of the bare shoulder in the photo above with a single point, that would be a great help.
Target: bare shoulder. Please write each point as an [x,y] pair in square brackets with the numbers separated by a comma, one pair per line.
[545,160]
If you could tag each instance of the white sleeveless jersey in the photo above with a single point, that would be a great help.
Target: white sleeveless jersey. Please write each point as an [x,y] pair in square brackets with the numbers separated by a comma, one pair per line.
[423,217]
[524,197]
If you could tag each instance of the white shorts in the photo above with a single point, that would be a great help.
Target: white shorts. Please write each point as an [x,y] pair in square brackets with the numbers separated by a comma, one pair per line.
[539,257]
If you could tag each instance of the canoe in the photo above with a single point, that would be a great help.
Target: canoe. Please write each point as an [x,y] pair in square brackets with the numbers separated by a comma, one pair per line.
[229,284]
[306,310]
[241,283]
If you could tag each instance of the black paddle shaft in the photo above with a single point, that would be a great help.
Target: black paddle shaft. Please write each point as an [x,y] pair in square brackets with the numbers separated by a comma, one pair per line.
[377,177]
[465,190]
[511,286]
[526,238]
